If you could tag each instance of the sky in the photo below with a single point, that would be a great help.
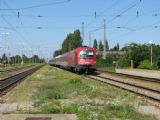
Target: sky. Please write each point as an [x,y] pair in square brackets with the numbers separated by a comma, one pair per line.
[40,26]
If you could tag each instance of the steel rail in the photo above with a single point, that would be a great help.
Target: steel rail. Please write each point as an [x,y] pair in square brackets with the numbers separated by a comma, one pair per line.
[149,93]
[12,80]
[132,76]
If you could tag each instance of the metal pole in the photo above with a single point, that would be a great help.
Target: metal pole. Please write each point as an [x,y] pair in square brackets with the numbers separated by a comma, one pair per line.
[150,42]
[8,56]
[104,49]
[151,55]
[18,56]
[5,48]
[22,54]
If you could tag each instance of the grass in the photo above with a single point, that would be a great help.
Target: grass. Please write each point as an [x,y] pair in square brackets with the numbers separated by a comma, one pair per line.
[10,70]
[56,91]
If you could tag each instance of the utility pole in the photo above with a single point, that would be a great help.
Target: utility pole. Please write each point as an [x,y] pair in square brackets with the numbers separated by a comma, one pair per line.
[18,55]
[5,33]
[5,49]
[104,48]
[151,55]
[22,55]
[9,55]
[82,32]
[151,52]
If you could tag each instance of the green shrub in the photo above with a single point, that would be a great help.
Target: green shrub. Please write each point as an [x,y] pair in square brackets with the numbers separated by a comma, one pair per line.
[123,62]
[50,91]
[51,108]
[72,108]
[158,63]
[108,62]
[146,64]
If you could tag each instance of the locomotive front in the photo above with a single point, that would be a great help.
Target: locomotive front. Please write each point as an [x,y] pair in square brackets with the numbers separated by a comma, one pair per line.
[86,60]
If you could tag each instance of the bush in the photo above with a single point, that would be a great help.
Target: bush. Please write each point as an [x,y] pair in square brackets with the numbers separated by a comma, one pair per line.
[72,108]
[146,64]
[108,62]
[123,62]
[158,63]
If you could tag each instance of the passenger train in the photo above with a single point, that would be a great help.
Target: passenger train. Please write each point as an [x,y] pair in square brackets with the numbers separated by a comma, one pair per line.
[80,60]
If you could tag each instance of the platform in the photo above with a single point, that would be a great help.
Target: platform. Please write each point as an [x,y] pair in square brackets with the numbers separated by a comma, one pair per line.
[155,74]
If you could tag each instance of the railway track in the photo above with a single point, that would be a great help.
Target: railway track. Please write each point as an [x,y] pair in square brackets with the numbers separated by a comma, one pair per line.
[132,76]
[7,83]
[144,91]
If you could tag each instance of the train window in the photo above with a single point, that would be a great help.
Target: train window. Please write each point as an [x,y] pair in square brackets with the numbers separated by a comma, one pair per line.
[86,54]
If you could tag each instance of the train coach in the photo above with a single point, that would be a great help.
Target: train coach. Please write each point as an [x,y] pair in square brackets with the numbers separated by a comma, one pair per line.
[81,60]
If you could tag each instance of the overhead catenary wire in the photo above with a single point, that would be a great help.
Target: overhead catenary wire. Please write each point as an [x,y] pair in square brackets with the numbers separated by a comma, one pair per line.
[98,28]
[154,14]
[30,7]
[118,27]
[21,35]
[98,15]
[108,8]
[152,25]
[11,26]
[44,5]
[37,6]
[132,5]
[102,12]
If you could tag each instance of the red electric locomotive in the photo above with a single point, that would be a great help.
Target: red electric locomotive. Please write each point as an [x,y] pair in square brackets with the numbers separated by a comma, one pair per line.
[81,60]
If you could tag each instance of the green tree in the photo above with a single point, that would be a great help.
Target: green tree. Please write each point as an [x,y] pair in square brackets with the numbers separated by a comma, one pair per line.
[72,41]
[137,52]
[158,63]
[101,48]
[95,44]
[57,52]
[156,53]
[18,59]
[123,62]
[115,48]
[77,40]
[4,58]
[107,45]
[25,59]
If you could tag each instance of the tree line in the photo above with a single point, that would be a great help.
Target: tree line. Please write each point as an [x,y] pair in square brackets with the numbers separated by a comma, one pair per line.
[17,59]
[139,54]
[100,46]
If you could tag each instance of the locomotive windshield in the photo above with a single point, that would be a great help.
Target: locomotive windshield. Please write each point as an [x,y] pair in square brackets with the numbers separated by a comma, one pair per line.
[86,54]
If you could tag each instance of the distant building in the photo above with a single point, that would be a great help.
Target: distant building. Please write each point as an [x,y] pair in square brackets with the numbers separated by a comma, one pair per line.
[110,53]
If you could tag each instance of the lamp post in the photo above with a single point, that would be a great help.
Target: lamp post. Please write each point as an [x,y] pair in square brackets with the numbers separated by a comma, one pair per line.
[5,33]
[151,52]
